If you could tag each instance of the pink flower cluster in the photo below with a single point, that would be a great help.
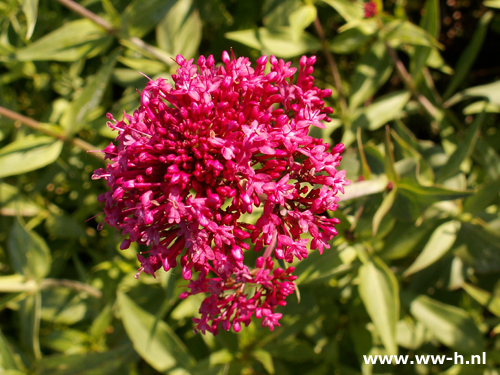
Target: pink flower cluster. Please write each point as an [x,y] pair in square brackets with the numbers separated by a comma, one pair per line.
[223,142]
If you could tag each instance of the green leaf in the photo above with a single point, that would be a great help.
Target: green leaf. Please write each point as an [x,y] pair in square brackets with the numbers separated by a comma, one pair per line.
[75,116]
[16,283]
[302,18]
[248,37]
[8,360]
[492,3]
[469,55]
[381,111]
[439,243]
[383,209]
[153,339]
[349,10]
[30,312]
[490,91]
[404,238]
[372,71]
[491,302]
[180,31]
[429,194]
[431,22]
[141,16]
[483,197]
[63,306]
[354,37]
[265,358]
[12,202]
[29,254]
[400,32]
[363,188]
[279,42]
[71,42]
[87,364]
[30,10]
[28,154]
[451,325]
[379,292]
[463,150]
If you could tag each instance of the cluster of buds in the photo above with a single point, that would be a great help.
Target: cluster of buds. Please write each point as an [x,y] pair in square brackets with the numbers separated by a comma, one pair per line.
[198,157]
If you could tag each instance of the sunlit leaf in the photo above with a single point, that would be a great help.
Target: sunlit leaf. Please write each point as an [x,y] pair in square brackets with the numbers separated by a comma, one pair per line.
[180,31]
[153,339]
[439,243]
[90,97]
[86,364]
[491,302]
[383,210]
[463,150]
[141,16]
[30,9]
[302,18]
[449,324]
[73,41]
[28,154]
[372,71]
[29,313]
[379,291]
[349,10]
[29,254]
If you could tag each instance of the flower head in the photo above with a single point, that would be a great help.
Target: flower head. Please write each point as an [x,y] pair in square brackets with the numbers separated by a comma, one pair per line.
[221,142]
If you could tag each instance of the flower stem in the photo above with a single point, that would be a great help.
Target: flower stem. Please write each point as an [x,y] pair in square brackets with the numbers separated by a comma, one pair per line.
[333,65]
[80,143]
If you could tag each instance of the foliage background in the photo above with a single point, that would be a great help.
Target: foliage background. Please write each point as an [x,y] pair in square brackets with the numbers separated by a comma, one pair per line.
[415,267]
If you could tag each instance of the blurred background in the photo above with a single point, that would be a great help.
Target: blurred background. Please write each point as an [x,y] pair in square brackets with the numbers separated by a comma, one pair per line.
[415,267]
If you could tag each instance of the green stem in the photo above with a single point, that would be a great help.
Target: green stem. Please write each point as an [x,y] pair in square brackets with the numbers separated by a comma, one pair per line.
[80,143]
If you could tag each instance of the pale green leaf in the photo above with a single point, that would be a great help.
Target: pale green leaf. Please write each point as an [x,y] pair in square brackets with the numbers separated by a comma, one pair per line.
[439,243]
[30,10]
[379,292]
[76,114]
[381,111]
[248,37]
[383,209]
[9,360]
[463,150]
[279,42]
[71,42]
[180,31]
[362,188]
[16,283]
[492,3]
[451,325]
[30,312]
[302,18]
[28,154]
[490,91]
[141,16]
[153,339]
[13,202]
[29,254]
[353,35]
[88,363]
[372,71]
[399,32]
[349,10]
[491,302]
[265,358]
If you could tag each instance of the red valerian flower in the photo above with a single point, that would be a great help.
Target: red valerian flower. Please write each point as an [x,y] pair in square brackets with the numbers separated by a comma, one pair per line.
[370,9]
[221,142]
